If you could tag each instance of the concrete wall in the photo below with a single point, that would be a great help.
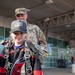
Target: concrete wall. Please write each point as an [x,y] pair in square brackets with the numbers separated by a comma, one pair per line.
[5,22]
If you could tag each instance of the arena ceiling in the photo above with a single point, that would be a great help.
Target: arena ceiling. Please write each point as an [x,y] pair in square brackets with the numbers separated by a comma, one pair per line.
[40,9]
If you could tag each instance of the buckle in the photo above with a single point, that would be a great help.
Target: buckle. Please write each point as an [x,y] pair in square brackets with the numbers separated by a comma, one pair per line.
[29,70]
[27,55]
[6,56]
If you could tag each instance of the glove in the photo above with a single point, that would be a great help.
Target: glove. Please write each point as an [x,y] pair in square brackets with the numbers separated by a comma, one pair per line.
[45,53]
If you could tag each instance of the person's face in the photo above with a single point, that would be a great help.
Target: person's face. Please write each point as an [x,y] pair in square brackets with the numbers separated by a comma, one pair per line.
[18,37]
[22,17]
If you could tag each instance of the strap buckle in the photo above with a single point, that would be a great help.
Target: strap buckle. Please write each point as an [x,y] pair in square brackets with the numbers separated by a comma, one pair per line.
[29,70]
[27,55]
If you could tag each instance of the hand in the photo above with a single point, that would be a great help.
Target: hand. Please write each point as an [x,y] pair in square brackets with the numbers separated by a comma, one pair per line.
[45,53]
[3,42]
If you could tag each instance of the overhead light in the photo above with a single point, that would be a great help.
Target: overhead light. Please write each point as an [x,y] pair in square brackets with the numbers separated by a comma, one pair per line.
[49,1]
[47,19]
[67,26]
[74,12]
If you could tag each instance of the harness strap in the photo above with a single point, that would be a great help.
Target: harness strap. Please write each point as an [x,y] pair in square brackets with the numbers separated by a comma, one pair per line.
[27,55]
[29,48]
[6,57]
[33,49]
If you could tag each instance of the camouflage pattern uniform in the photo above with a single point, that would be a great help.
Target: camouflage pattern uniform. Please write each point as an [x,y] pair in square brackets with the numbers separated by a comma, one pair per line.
[36,36]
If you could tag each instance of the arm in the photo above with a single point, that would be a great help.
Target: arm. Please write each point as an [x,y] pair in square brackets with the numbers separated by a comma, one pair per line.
[42,41]
[2,63]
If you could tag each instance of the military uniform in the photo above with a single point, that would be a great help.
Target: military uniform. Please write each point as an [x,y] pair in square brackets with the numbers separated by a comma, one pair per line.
[36,36]
[34,33]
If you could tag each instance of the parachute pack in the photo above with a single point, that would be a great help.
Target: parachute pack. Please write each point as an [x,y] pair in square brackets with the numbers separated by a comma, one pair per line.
[32,64]
[30,67]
